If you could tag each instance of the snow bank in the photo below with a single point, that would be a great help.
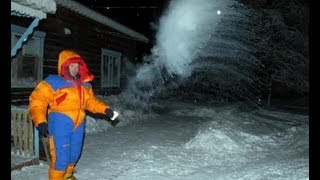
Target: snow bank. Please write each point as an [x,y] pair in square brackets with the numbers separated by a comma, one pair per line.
[231,133]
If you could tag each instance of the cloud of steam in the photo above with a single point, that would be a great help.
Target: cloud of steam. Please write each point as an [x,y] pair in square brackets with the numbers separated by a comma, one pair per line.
[184,30]
[189,33]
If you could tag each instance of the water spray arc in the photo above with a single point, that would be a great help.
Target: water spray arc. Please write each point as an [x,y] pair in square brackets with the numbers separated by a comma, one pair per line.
[207,36]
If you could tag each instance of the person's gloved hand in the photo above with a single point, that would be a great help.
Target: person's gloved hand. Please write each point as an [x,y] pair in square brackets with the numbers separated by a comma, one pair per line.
[109,113]
[43,129]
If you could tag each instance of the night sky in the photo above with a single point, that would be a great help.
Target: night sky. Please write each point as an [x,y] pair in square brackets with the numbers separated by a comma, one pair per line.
[138,15]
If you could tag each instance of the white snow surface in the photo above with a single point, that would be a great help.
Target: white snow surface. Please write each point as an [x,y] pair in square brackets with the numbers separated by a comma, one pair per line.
[190,142]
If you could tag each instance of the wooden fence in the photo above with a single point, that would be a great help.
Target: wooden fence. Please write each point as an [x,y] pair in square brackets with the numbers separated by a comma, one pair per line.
[24,137]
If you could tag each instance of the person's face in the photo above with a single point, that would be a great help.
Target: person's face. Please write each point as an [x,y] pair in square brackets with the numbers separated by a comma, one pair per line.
[73,69]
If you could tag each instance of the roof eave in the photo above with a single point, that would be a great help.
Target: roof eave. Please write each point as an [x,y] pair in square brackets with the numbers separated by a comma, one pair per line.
[98,17]
[25,11]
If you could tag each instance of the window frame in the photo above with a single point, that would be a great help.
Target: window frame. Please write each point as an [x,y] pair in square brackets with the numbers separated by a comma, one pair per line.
[19,30]
[108,80]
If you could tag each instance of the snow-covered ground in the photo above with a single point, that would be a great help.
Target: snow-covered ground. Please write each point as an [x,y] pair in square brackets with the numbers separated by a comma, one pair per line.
[191,141]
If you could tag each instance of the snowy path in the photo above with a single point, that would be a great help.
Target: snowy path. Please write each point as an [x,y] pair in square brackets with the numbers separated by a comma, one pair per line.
[196,143]
[141,152]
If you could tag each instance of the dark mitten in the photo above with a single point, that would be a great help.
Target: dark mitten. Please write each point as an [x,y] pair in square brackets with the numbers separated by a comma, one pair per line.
[43,129]
[109,113]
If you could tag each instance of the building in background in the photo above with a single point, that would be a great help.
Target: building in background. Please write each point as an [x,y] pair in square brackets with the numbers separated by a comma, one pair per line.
[41,29]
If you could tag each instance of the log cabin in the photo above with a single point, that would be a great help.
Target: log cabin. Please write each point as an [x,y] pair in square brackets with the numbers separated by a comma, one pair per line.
[38,37]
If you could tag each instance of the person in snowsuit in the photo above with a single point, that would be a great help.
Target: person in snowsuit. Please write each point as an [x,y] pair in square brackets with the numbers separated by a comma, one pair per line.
[57,107]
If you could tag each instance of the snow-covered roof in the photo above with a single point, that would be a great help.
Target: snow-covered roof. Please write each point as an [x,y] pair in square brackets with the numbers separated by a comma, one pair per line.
[33,8]
[98,17]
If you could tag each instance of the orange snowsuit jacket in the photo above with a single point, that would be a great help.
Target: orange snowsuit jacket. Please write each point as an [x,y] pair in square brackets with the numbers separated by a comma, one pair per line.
[59,95]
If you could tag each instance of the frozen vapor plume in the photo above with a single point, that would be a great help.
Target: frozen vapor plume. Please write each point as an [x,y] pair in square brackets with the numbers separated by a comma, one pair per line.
[184,30]
[193,35]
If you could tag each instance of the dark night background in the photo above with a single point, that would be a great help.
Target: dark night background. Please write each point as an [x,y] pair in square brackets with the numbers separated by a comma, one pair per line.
[138,15]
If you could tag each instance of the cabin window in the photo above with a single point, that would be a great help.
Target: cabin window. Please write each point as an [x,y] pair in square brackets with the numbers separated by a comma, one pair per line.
[110,69]
[26,65]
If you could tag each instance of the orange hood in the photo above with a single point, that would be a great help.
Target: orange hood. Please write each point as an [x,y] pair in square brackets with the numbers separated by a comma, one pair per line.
[68,56]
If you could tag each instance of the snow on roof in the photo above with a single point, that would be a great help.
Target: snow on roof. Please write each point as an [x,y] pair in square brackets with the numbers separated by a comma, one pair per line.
[87,12]
[33,8]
